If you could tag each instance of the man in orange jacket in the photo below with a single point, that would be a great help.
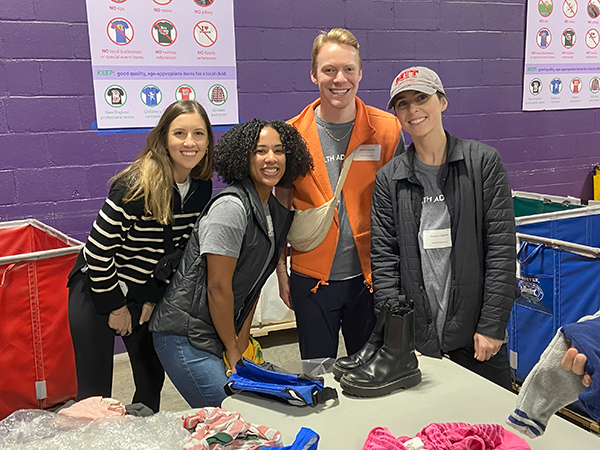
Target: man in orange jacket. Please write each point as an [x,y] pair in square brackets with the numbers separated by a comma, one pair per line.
[330,285]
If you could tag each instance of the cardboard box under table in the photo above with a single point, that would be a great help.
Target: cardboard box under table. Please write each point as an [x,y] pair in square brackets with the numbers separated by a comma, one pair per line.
[37,366]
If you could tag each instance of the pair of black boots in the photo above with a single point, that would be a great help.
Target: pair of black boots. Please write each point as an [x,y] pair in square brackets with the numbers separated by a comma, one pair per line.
[387,362]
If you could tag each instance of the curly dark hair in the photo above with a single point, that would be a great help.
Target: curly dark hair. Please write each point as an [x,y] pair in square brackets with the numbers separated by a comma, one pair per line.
[232,151]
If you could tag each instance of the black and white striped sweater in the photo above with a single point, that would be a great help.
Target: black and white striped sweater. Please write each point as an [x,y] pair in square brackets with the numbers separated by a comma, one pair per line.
[125,245]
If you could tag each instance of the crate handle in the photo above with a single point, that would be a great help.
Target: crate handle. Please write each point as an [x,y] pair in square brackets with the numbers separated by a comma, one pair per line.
[531,256]
[8,269]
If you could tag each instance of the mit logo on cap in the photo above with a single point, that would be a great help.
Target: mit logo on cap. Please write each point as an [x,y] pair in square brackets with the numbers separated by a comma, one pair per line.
[408,73]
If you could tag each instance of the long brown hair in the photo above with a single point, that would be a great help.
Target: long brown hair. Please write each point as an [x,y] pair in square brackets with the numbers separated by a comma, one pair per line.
[150,175]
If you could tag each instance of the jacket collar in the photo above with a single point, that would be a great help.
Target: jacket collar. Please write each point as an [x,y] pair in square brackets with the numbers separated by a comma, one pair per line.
[455,151]
[307,125]
[194,183]
[177,200]
[406,163]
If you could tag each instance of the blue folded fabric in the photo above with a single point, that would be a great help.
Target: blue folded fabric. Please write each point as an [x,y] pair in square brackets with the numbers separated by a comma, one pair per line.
[295,389]
[306,439]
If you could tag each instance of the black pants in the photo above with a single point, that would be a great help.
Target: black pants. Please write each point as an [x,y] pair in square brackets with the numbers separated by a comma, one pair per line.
[319,315]
[496,369]
[93,342]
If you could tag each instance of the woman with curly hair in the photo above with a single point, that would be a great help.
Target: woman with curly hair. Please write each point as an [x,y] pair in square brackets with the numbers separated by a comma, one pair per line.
[208,308]
[142,227]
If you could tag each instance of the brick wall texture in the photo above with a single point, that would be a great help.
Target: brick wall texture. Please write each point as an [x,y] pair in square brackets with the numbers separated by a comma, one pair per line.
[55,168]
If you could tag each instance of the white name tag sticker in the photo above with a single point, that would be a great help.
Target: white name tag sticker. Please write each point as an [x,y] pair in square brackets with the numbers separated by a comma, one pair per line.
[437,238]
[368,153]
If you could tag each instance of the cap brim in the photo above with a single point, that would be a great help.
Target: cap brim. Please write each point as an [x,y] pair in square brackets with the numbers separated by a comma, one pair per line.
[419,87]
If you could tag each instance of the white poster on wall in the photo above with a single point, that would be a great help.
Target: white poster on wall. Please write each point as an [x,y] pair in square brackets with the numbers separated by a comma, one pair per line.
[146,55]
[562,65]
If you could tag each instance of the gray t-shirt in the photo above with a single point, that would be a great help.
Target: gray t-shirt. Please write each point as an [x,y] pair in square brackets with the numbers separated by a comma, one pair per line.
[346,263]
[435,243]
[221,230]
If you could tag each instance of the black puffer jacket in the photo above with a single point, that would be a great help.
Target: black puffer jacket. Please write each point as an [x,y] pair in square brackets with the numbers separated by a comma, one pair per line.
[483,283]
[184,308]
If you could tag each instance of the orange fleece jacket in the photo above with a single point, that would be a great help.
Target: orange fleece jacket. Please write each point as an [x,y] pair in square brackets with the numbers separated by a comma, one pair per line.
[371,127]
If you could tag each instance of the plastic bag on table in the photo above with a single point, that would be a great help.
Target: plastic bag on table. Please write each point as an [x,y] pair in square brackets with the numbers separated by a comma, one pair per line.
[32,429]
[313,367]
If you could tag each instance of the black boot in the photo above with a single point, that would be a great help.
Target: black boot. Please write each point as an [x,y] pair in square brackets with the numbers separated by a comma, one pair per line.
[394,366]
[346,363]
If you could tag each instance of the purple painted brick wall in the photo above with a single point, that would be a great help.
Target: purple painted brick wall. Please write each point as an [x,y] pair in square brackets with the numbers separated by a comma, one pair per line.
[55,168]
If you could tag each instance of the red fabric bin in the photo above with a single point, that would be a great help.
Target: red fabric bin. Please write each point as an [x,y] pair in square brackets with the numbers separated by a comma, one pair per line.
[37,365]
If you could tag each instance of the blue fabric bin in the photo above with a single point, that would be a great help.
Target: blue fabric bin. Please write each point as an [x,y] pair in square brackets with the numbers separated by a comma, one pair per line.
[559,277]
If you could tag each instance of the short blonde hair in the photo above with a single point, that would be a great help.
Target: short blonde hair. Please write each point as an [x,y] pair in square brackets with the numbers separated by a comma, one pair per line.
[338,36]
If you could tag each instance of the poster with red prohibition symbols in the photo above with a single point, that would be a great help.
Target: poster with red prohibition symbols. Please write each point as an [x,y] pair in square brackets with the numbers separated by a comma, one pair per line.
[591,38]
[562,55]
[545,7]
[205,34]
[570,8]
[147,55]
[164,32]
[120,31]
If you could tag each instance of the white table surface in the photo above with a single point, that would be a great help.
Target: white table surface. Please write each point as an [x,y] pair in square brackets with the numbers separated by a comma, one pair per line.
[448,393]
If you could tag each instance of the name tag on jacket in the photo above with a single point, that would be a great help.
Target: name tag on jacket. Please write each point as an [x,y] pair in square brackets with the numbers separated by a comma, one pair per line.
[437,238]
[368,152]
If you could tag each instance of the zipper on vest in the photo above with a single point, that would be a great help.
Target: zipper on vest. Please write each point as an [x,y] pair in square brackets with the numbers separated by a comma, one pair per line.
[187,197]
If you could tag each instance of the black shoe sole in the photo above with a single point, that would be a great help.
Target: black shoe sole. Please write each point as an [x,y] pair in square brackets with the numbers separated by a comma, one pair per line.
[358,390]
[338,372]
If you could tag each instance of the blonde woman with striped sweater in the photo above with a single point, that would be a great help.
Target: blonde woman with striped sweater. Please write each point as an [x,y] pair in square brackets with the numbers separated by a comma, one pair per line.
[133,247]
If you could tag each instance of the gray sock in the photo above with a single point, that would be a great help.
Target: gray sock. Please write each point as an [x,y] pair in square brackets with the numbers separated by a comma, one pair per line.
[547,388]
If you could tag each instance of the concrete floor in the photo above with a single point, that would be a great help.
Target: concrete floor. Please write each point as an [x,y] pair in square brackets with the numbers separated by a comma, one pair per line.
[279,348]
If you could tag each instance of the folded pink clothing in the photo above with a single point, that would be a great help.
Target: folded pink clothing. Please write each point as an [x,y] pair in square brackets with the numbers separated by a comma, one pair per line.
[448,436]
[93,408]
[216,428]
[464,436]
[380,438]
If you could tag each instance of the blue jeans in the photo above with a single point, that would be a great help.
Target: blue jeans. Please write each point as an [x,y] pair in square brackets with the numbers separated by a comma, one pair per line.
[198,376]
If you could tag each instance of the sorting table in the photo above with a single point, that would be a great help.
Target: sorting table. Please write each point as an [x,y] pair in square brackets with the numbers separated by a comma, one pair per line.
[448,393]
